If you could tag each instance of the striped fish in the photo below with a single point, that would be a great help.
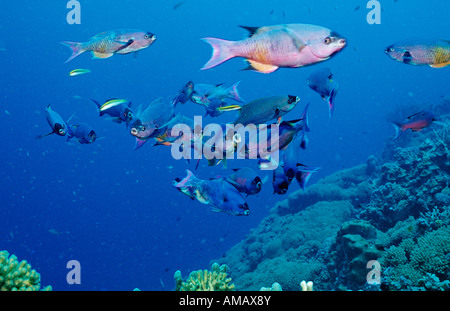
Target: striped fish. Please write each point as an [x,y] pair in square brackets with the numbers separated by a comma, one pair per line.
[106,44]
[433,53]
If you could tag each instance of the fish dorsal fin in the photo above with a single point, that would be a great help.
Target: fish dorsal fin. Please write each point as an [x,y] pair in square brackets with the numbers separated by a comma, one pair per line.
[252,30]
[98,35]
[260,67]
[415,114]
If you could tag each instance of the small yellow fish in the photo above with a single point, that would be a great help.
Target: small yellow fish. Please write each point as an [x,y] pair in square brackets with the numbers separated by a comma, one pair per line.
[78,72]
[229,108]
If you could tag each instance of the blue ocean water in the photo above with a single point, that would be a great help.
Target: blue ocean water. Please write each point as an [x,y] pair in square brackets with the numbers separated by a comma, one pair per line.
[114,209]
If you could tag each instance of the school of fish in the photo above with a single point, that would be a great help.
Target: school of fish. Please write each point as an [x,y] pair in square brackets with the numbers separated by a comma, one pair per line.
[267,49]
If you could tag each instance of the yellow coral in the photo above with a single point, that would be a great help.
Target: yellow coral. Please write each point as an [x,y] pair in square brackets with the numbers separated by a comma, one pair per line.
[204,280]
[15,275]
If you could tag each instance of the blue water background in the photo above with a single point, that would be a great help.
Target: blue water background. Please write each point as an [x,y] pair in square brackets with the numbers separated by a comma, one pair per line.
[112,208]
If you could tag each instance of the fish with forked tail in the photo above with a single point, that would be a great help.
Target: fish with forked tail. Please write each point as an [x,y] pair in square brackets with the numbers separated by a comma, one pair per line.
[108,43]
[271,47]
[415,122]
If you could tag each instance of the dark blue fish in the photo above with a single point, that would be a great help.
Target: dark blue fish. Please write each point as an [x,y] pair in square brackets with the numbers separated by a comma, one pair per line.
[56,122]
[83,132]
[151,121]
[185,94]
[291,159]
[280,182]
[220,195]
[120,112]
[323,83]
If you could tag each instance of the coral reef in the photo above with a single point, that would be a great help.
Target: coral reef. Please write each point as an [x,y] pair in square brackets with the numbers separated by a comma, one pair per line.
[393,209]
[204,280]
[418,259]
[18,276]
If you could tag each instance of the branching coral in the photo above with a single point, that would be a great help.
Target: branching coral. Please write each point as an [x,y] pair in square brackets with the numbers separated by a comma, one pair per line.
[204,280]
[15,275]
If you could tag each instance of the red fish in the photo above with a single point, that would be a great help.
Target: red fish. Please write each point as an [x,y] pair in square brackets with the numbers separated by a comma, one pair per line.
[415,122]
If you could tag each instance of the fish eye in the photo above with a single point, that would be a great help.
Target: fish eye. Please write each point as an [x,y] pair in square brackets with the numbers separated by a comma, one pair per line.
[390,50]
[143,128]
[327,40]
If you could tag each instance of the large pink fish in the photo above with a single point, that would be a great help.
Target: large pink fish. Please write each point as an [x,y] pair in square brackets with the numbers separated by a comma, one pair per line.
[271,47]
[106,44]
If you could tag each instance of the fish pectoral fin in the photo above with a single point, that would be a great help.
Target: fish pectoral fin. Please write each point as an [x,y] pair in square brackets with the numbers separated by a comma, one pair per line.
[101,55]
[125,44]
[298,43]
[200,197]
[44,135]
[442,65]
[260,67]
